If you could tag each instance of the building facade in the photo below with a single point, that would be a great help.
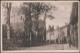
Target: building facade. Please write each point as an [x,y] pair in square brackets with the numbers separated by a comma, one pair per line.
[74,25]
[59,35]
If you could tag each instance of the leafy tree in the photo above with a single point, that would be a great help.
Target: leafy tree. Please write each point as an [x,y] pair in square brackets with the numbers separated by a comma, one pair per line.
[32,10]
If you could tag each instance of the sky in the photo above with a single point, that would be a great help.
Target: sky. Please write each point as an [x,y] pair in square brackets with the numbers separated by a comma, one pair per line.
[61,14]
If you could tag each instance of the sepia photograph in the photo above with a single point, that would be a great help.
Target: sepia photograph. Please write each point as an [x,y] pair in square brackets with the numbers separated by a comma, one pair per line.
[39,25]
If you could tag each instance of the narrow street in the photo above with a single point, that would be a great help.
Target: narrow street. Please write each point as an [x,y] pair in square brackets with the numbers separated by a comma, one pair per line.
[51,47]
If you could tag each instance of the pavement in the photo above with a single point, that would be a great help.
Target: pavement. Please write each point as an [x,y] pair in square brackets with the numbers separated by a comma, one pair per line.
[51,47]
[66,47]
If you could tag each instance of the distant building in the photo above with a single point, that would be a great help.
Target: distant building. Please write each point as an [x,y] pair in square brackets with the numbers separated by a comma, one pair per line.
[63,33]
[18,26]
[50,34]
[59,34]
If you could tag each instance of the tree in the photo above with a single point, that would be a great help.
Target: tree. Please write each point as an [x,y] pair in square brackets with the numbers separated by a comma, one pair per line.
[32,10]
[26,9]
[45,10]
[7,6]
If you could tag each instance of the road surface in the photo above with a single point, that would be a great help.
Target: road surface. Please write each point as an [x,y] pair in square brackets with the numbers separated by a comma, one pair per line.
[51,47]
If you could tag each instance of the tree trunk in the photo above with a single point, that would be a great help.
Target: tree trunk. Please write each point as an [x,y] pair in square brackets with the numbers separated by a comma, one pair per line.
[45,27]
[8,20]
[49,38]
